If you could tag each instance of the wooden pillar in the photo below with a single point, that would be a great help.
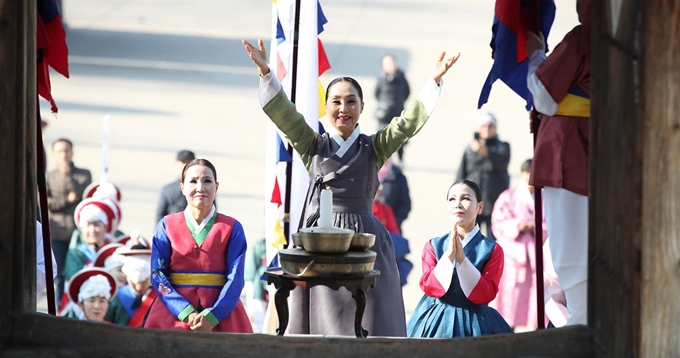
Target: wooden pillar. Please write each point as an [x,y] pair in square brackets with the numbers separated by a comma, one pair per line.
[635,179]
[17,160]
[660,239]
[615,179]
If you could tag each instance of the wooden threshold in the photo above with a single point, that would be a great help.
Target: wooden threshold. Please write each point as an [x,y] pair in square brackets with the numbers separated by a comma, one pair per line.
[35,334]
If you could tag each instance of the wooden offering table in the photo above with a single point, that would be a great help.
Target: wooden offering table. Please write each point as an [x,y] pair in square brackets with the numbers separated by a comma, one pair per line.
[357,285]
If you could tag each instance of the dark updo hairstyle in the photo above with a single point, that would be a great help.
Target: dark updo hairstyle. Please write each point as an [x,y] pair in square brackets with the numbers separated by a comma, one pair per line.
[472,185]
[351,80]
[526,166]
[199,161]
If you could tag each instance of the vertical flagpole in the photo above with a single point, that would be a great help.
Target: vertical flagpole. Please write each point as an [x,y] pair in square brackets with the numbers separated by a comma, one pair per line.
[289,165]
[45,219]
[282,8]
[105,150]
[538,228]
[538,219]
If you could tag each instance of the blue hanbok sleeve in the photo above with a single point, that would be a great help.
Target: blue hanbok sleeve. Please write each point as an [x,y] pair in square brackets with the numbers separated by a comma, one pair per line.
[161,250]
[231,291]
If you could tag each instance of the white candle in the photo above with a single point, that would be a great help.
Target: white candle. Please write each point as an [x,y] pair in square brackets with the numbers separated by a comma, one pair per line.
[326,209]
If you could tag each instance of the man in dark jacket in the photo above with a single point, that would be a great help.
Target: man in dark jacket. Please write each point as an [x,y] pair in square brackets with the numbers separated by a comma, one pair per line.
[172,200]
[391,92]
[65,187]
[485,162]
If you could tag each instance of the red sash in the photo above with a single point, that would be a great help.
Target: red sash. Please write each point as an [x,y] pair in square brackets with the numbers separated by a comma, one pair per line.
[137,318]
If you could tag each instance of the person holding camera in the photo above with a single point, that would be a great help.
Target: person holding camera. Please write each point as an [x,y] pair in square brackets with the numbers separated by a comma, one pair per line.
[485,161]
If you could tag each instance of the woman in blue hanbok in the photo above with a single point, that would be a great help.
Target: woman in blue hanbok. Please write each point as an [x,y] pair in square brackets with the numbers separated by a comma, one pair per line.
[461,271]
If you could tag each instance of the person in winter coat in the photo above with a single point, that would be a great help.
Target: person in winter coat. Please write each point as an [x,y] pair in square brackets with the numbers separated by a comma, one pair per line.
[391,92]
[485,162]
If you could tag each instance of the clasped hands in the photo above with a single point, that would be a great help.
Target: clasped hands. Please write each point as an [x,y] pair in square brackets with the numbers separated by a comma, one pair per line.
[198,322]
[455,250]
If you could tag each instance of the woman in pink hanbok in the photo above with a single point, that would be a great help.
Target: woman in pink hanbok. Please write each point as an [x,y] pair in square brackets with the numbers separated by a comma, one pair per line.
[512,222]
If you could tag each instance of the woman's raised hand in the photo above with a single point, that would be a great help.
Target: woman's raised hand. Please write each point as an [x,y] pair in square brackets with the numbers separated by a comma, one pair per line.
[443,66]
[258,56]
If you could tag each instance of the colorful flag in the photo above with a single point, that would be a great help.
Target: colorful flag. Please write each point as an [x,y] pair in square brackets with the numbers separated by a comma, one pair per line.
[512,19]
[309,99]
[51,47]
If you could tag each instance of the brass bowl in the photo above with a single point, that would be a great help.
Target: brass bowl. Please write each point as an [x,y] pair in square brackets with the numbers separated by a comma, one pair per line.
[362,241]
[326,241]
[297,240]
[301,263]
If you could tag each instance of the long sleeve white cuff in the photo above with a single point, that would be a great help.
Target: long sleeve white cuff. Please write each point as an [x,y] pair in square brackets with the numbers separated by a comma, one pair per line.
[443,272]
[429,94]
[468,275]
[543,102]
[269,87]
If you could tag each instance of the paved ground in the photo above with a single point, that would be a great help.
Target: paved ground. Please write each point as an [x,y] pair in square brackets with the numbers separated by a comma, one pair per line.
[172,74]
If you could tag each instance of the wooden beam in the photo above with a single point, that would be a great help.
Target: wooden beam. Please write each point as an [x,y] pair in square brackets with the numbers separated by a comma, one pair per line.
[615,194]
[635,179]
[17,112]
[33,332]
[23,287]
[24,296]
[660,313]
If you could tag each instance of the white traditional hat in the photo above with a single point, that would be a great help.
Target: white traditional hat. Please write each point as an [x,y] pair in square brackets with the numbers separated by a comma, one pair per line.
[107,258]
[104,210]
[136,262]
[134,238]
[102,190]
[91,282]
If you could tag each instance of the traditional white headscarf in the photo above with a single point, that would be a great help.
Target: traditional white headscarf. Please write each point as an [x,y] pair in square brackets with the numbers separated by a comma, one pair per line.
[95,286]
[113,262]
[92,213]
[106,190]
[137,268]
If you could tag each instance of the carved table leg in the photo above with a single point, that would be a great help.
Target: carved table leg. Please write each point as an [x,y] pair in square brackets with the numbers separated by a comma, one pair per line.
[281,301]
[360,299]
